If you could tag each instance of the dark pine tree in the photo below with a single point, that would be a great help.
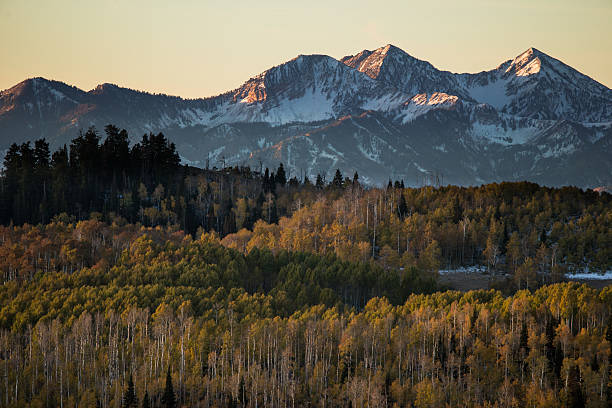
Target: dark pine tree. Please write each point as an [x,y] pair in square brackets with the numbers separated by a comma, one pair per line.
[338,180]
[266,181]
[575,398]
[60,184]
[146,403]
[523,340]
[115,153]
[272,183]
[41,176]
[168,399]
[552,352]
[402,207]
[294,182]
[242,393]
[12,162]
[28,194]
[129,398]
[319,183]
[281,176]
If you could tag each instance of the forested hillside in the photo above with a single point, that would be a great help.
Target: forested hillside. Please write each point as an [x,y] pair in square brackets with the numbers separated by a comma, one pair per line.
[190,323]
[533,233]
[130,280]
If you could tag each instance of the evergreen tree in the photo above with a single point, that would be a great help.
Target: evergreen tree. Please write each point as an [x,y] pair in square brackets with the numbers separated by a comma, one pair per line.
[575,398]
[553,354]
[146,403]
[241,392]
[281,176]
[272,183]
[168,399]
[523,340]
[129,398]
[115,152]
[266,182]
[319,183]
[338,179]
[402,207]
[12,162]
[294,182]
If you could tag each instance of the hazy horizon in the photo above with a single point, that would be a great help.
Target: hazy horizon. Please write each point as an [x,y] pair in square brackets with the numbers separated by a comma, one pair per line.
[196,50]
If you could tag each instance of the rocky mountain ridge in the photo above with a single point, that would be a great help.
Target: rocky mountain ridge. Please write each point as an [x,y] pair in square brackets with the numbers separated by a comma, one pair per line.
[382,113]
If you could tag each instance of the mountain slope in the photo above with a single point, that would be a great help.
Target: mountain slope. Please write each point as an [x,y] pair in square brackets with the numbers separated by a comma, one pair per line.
[531,85]
[382,113]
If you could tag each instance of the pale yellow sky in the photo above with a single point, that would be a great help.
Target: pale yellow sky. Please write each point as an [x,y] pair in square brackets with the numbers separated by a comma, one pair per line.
[202,48]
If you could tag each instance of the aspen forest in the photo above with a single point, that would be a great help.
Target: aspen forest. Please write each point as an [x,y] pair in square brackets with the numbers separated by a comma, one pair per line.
[131,280]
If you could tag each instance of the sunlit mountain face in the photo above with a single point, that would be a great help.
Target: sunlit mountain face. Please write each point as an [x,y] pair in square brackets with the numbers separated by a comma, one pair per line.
[382,113]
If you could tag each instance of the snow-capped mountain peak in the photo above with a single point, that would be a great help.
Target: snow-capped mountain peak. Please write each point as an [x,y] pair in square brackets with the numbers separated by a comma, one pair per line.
[306,88]
[528,63]
[380,112]
[410,75]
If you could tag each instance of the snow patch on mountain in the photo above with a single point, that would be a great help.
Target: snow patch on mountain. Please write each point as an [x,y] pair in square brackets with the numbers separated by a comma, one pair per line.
[493,93]
[313,105]
[422,103]
[495,133]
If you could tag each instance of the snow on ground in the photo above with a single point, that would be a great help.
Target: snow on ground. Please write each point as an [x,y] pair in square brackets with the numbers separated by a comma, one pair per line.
[314,105]
[384,103]
[57,94]
[497,134]
[373,155]
[494,94]
[464,269]
[188,162]
[422,103]
[586,275]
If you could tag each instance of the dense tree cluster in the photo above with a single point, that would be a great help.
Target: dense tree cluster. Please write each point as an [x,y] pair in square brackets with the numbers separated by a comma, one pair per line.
[93,314]
[88,176]
[82,258]
[534,234]
[84,339]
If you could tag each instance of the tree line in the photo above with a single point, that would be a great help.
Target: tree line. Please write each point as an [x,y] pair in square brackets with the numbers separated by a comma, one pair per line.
[87,176]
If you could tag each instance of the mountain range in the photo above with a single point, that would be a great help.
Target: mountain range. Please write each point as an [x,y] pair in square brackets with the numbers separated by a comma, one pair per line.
[381,113]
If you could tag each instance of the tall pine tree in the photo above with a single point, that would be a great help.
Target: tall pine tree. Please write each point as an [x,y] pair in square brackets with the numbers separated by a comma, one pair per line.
[146,403]
[575,398]
[338,180]
[168,399]
[129,398]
